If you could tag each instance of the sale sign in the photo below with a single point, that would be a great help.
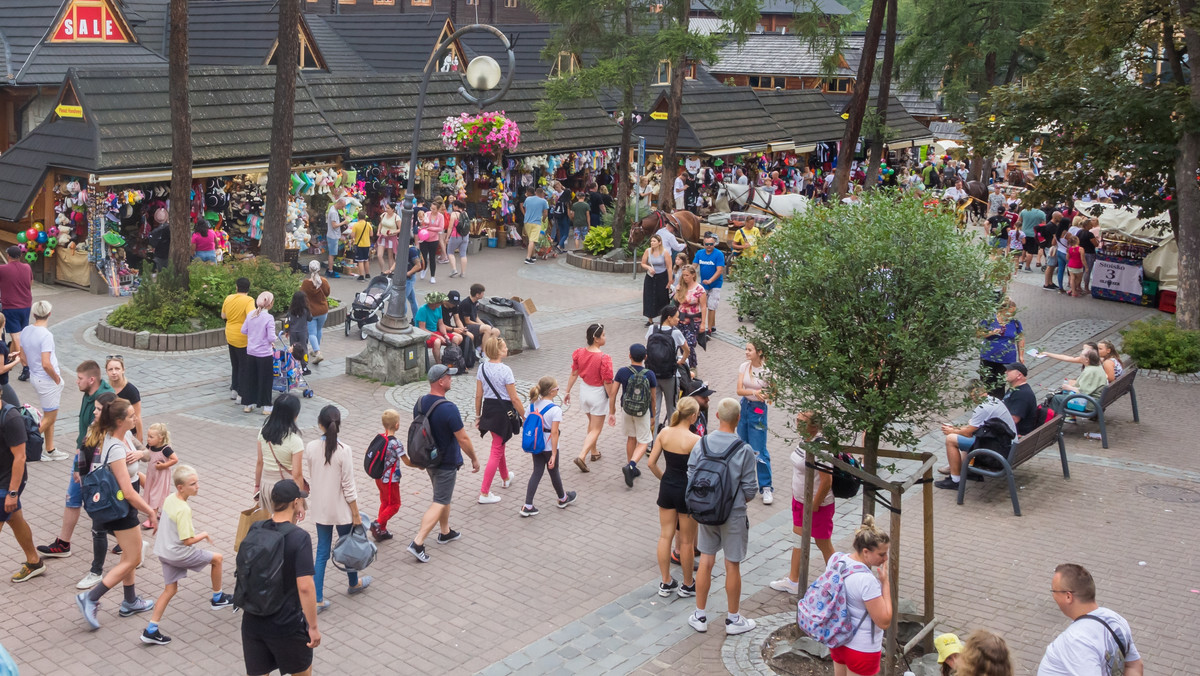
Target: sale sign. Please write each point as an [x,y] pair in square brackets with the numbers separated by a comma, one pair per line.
[91,21]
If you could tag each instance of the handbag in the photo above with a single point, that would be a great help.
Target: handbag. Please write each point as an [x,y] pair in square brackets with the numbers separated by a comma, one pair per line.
[102,495]
[353,551]
[247,518]
[514,419]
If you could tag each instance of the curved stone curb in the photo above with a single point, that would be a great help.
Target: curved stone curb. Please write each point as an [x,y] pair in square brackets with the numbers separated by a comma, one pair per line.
[743,654]
[1169,377]
[587,262]
[181,342]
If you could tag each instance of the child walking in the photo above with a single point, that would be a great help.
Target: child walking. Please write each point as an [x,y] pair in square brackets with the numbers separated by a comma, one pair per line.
[389,483]
[638,384]
[177,551]
[298,317]
[158,472]
[541,406]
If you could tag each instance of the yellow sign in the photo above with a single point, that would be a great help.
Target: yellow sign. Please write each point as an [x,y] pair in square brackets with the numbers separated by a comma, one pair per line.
[63,110]
[658,116]
[845,116]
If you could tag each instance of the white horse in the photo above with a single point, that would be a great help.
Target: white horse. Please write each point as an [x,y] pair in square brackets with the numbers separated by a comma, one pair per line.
[762,199]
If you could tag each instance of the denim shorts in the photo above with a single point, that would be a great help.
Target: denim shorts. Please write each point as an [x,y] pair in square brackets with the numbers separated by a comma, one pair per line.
[965,444]
[74,490]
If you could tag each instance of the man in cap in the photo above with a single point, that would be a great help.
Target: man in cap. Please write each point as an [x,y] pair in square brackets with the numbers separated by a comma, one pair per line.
[960,440]
[432,317]
[700,391]
[452,441]
[1020,399]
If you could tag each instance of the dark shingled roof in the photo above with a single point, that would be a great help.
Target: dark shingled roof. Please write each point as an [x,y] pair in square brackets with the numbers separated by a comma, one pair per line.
[903,126]
[150,23]
[786,6]
[68,144]
[775,54]
[804,114]
[718,118]
[231,32]
[339,55]
[528,42]
[389,43]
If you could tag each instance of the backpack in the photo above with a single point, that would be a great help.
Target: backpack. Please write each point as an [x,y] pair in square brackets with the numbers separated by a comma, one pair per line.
[462,226]
[34,441]
[824,612]
[845,485]
[259,588]
[713,487]
[660,353]
[373,460]
[102,495]
[423,451]
[452,356]
[637,394]
[533,438]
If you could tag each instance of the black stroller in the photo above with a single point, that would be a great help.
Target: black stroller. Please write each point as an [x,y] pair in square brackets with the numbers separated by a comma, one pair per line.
[368,304]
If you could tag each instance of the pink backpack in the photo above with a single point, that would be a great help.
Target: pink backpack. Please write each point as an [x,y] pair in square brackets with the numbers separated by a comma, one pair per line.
[824,613]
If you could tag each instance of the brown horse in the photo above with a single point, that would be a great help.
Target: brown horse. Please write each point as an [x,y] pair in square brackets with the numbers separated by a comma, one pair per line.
[683,224]
[979,199]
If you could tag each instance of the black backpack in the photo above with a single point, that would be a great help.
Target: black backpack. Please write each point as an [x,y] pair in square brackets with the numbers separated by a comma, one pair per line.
[375,456]
[34,441]
[713,487]
[660,352]
[452,356]
[638,394]
[423,450]
[259,588]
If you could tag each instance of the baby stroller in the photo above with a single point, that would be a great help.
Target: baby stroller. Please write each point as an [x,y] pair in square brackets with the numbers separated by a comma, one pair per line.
[543,247]
[367,307]
[287,370]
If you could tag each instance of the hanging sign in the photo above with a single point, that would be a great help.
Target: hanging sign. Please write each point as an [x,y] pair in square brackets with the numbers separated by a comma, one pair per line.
[658,116]
[63,110]
[1118,276]
[89,21]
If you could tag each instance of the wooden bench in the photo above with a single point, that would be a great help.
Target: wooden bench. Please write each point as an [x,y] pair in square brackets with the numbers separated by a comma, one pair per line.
[1118,388]
[1020,453]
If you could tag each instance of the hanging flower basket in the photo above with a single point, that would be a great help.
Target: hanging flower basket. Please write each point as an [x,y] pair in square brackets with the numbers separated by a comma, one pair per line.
[482,134]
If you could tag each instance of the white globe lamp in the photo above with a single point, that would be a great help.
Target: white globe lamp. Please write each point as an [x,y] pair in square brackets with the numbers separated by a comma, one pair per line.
[483,73]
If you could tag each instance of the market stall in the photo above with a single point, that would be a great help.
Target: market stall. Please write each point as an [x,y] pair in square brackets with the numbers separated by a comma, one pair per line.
[1136,263]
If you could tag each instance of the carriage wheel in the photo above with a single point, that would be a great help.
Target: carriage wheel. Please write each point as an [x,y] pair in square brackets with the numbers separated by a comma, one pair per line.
[347,326]
[362,332]
[308,394]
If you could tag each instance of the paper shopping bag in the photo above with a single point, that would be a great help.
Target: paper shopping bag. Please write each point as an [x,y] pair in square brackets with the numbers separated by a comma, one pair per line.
[248,518]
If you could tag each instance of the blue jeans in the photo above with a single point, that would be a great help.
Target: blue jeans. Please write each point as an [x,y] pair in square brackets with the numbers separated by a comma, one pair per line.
[314,331]
[410,294]
[324,547]
[1062,266]
[209,256]
[752,429]
[564,229]
[965,444]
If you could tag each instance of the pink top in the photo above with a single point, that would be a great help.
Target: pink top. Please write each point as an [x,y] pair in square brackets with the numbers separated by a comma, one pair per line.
[203,243]
[691,300]
[1075,257]
[595,368]
[260,334]
[435,223]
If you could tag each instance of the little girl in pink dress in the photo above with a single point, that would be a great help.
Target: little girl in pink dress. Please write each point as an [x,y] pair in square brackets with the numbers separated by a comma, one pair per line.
[158,470]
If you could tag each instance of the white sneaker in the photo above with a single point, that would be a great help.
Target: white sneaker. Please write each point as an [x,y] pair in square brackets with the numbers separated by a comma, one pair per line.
[488,499]
[267,410]
[422,274]
[786,585]
[743,625]
[233,395]
[90,580]
[433,280]
[505,483]
[145,553]
[248,409]
[768,495]
[50,456]
[698,624]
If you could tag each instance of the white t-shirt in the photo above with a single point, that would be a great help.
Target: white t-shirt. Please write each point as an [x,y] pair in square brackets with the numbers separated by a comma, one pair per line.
[860,588]
[552,415]
[35,340]
[670,241]
[1085,648]
[331,217]
[798,458]
[680,187]
[992,408]
[500,376]
[113,449]
[676,335]
[954,194]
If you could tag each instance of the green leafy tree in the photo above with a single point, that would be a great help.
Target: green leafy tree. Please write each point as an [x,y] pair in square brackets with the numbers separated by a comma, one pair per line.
[867,309]
[1116,97]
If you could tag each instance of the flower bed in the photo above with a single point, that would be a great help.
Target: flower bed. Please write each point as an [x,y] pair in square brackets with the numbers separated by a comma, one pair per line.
[178,342]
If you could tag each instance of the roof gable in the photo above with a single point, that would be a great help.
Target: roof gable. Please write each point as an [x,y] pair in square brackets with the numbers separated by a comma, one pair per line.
[391,43]
[91,21]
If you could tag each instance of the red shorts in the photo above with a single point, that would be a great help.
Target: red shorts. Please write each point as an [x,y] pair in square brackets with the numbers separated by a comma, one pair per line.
[822,520]
[863,664]
[434,337]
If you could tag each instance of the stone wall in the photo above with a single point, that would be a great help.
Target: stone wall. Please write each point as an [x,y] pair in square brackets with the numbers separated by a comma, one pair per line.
[588,262]
[390,358]
[510,322]
[178,342]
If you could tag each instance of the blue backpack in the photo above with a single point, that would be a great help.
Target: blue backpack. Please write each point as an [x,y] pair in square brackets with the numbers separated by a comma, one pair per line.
[102,495]
[533,438]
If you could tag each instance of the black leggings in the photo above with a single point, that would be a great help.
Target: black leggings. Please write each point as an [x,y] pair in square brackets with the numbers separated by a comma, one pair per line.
[257,375]
[429,253]
[992,374]
[540,460]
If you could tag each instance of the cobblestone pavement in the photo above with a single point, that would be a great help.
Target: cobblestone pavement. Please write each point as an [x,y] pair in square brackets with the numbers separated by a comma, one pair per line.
[572,591]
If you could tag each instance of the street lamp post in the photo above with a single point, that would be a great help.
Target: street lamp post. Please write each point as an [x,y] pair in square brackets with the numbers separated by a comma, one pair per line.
[482,74]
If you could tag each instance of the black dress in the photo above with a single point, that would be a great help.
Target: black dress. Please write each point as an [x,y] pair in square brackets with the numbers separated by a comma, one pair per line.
[655,294]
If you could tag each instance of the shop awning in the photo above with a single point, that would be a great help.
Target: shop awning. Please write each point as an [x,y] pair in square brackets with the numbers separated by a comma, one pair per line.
[719,121]
[165,175]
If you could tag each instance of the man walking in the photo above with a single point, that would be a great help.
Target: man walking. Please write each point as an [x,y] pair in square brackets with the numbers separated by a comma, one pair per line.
[284,639]
[732,537]
[536,210]
[1098,640]
[710,263]
[234,310]
[1030,219]
[16,296]
[12,484]
[452,441]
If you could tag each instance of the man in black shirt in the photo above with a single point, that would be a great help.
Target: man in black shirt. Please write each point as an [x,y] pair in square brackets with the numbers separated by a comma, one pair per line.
[286,639]
[468,313]
[1020,400]
[596,204]
[12,484]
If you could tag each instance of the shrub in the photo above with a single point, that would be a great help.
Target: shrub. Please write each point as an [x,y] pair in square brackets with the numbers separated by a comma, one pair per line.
[1161,344]
[599,241]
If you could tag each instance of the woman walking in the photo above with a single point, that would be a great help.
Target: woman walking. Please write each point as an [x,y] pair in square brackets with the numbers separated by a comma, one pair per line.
[595,392]
[1004,343]
[692,300]
[752,426]
[114,366]
[433,224]
[204,241]
[316,291]
[105,445]
[389,231]
[674,443]
[257,373]
[280,450]
[332,497]
[541,404]
[656,261]
[38,355]
[496,411]
[459,229]
[868,600]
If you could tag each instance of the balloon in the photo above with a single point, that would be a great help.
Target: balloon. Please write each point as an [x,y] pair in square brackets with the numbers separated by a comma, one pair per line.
[39,226]
[30,257]
[22,247]
[51,242]
[31,234]
[42,237]
[49,253]
[22,237]
[40,248]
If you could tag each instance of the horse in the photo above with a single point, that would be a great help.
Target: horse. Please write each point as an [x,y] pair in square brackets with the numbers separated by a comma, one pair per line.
[764,200]
[683,224]
[978,194]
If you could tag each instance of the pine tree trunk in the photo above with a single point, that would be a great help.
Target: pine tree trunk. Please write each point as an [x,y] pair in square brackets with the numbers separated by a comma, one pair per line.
[179,213]
[287,63]
[858,102]
[885,92]
[670,168]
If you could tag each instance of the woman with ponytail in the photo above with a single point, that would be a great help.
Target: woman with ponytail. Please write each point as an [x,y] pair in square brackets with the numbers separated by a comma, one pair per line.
[316,291]
[869,601]
[332,498]
[675,442]
[541,403]
[257,374]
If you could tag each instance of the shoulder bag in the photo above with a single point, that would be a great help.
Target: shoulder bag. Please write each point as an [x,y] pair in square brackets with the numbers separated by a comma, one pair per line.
[514,418]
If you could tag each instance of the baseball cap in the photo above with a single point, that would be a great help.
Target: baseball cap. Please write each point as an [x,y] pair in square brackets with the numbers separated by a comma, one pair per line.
[700,389]
[947,645]
[1018,367]
[637,352]
[453,297]
[286,490]
[439,371]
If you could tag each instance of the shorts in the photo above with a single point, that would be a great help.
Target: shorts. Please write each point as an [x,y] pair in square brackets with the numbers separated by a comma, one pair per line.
[594,218]
[174,571]
[362,254]
[332,243]
[671,494]
[593,400]
[731,537]
[443,479]
[714,297]
[639,427]
[822,519]
[4,514]
[15,319]
[1074,271]
[388,242]
[1031,245]
[965,444]
[130,520]
[289,654]
[434,337]
[679,205]
[457,246]
[863,664]
[532,230]
[74,490]
[49,393]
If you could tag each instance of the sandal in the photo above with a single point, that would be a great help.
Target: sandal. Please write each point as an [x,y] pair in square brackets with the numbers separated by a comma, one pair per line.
[581,465]
[595,457]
